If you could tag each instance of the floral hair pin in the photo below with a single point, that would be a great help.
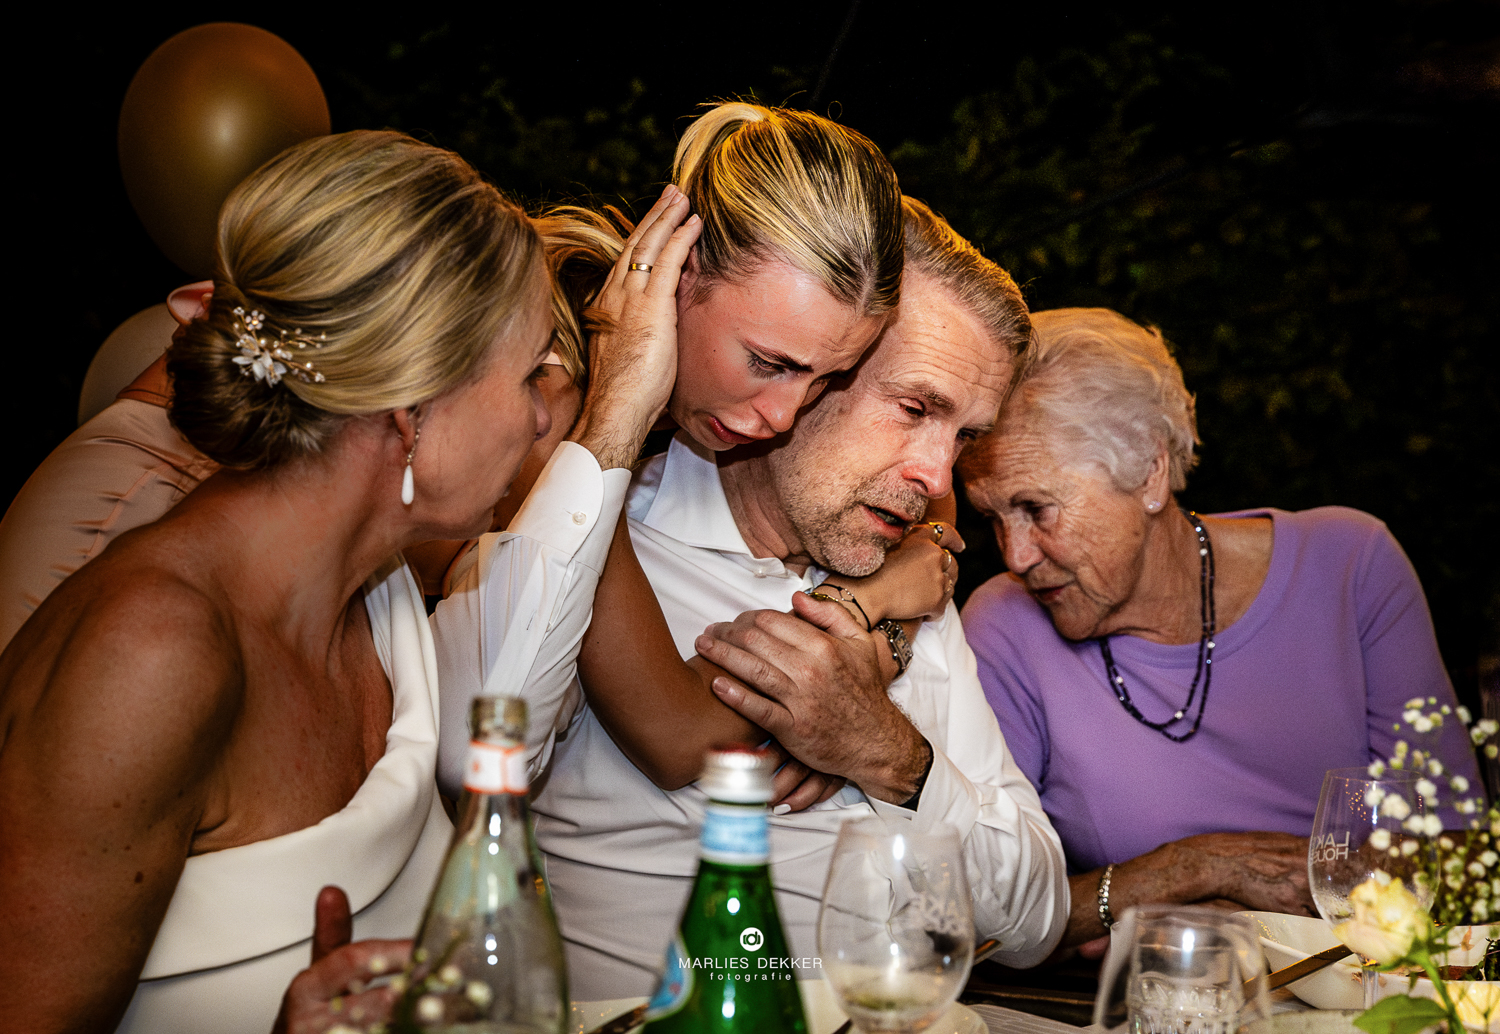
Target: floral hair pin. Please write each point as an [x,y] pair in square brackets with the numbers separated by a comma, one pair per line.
[269,358]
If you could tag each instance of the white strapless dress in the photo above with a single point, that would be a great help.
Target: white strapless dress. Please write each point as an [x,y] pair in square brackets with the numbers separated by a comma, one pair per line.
[239,927]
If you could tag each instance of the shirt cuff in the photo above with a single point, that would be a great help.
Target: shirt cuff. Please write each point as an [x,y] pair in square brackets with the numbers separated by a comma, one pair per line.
[571,496]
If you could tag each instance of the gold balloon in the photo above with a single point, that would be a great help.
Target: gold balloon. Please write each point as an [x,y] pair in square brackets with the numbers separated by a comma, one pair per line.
[207,108]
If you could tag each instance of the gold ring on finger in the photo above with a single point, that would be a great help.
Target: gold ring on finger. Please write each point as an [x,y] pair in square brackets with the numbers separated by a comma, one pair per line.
[947,560]
[937,531]
[643,267]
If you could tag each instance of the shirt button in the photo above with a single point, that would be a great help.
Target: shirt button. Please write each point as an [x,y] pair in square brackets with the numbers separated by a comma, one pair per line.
[580,517]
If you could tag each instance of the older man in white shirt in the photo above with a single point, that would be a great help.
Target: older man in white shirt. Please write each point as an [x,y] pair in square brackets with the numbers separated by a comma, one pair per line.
[720,538]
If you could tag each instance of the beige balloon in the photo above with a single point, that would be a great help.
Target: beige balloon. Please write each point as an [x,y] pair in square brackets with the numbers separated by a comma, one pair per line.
[207,108]
[129,349]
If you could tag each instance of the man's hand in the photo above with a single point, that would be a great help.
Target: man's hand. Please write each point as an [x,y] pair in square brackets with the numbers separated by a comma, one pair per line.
[332,991]
[819,691]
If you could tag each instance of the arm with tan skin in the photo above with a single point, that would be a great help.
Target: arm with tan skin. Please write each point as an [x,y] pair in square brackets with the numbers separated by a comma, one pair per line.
[1233,871]
[661,710]
[101,791]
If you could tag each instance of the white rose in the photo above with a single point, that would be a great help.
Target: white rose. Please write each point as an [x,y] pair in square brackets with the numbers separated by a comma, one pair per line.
[1386,920]
[1478,1002]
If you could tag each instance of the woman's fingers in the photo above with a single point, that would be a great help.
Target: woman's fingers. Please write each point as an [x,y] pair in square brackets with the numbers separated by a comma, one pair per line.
[667,270]
[644,246]
[333,926]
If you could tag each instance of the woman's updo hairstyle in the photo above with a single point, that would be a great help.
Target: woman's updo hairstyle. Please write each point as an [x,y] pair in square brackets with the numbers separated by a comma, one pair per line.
[773,183]
[1105,391]
[392,259]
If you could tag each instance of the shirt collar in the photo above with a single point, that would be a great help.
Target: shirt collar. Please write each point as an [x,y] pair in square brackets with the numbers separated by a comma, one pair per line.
[690,506]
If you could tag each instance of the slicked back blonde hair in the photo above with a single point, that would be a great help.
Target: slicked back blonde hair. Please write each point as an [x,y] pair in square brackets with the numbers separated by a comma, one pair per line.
[936,249]
[398,252]
[1106,391]
[772,183]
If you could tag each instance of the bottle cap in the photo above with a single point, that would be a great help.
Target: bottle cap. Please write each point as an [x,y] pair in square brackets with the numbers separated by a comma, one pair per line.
[737,774]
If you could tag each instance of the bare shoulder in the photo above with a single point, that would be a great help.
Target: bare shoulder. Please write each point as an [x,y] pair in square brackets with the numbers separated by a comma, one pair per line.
[130,651]
[116,700]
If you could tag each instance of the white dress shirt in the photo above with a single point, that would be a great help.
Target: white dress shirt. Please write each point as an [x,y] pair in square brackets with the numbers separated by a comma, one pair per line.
[622,853]
[519,603]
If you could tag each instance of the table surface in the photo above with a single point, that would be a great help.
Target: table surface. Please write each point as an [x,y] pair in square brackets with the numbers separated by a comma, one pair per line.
[824,1015]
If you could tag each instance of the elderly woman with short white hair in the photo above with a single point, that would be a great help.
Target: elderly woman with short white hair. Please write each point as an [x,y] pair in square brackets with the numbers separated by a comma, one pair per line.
[1176,684]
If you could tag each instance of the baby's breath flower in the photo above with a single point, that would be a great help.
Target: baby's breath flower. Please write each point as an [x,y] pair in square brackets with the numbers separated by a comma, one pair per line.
[1432,825]
[1453,865]
[1488,726]
[1475,869]
[1402,748]
[1380,839]
[398,983]
[450,975]
[1408,847]
[1374,794]
[1435,767]
[1411,714]
[1464,715]
[1467,806]
[1394,807]
[379,964]
[1377,769]
[1480,910]
[1427,788]
[429,1008]
[1459,784]
[1421,723]
[1446,843]
[1488,859]
[1414,703]
[1413,825]
[1456,882]
[1491,751]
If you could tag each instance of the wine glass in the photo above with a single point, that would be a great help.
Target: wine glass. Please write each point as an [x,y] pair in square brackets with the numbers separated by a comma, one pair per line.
[1359,830]
[896,929]
[1187,970]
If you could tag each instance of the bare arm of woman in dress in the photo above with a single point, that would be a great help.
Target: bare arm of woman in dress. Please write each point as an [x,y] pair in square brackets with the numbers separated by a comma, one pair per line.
[104,789]
[660,709]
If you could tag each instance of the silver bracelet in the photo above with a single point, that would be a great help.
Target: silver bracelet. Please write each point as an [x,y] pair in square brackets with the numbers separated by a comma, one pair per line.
[1105,915]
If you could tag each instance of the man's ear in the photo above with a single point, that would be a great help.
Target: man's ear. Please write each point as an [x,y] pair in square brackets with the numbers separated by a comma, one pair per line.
[190,302]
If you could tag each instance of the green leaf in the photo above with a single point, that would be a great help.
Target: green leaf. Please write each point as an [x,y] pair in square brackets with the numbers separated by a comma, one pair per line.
[1400,1015]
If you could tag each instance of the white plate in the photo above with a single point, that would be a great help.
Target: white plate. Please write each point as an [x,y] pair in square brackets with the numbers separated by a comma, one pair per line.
[1288,939]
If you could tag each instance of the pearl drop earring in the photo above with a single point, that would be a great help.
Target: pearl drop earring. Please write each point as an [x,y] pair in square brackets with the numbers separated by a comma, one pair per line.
[408,486]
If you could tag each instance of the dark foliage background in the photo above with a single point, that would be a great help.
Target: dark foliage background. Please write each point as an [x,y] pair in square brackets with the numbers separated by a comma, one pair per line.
[1301,196]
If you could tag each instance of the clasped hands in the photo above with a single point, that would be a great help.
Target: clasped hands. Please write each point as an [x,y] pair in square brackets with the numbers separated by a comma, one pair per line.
[816,681]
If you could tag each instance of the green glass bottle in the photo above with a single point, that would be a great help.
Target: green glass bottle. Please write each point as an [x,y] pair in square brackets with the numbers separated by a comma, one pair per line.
[728,970]
[488,958]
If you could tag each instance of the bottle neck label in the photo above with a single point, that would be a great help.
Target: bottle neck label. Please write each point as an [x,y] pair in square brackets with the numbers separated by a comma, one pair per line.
[495,769]
[736,834]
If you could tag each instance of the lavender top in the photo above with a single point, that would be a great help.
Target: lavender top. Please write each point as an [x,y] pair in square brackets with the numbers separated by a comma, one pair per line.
[1312,677]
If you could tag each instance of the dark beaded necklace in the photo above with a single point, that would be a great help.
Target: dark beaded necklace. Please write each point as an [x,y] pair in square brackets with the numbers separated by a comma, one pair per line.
[1204,670]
